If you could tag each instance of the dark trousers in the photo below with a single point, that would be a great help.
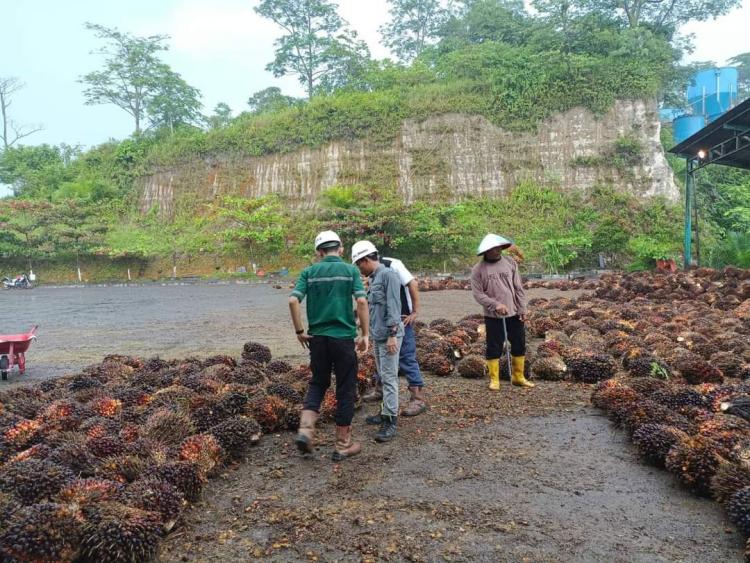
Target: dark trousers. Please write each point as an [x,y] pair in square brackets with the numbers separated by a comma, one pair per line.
[338,355]
[496,337]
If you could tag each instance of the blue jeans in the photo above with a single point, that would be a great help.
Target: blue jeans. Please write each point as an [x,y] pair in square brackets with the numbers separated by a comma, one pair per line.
[407,360]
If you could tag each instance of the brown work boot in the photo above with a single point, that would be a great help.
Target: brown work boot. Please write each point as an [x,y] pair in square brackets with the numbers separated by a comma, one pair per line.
[375,395]
[417,404]
[306,432]
[345,446]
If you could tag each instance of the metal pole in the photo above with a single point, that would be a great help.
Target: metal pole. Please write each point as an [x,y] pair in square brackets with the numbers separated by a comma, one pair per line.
[506,345]
[697,230]
[689,189]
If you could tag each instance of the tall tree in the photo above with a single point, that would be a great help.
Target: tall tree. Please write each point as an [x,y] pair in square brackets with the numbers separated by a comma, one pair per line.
[135,80]
[413,24]
[221,117]
[174,102]
[660,14]
[269,100]
[742,62]
[310,45]
[11,131]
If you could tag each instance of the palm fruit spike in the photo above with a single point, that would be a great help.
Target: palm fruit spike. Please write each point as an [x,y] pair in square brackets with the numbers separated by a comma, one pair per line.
[184,475]
[695,461]
[256,352]
[41,532]
[155,495]
[728,479]
[654,441]
[472,367]
[236,434]
[120,534]
[203,450]
[738,508]
[34,480]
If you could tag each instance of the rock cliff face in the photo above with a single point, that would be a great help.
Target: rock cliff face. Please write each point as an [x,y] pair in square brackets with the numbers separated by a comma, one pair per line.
[447,157]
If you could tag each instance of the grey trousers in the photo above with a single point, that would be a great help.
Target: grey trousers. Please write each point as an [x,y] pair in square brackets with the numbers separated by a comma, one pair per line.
[387,365]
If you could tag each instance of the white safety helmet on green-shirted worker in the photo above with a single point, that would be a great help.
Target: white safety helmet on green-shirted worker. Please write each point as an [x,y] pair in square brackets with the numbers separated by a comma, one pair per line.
[361,249]
[327,239]
[492,241]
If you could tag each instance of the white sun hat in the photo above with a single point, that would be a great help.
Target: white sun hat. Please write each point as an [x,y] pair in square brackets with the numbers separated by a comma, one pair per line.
[492,241]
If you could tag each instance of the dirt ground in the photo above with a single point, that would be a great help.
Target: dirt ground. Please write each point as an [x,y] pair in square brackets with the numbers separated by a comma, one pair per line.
[523,475]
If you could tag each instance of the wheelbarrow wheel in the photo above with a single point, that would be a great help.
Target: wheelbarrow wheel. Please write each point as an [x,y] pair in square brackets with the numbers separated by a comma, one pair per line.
[4,363]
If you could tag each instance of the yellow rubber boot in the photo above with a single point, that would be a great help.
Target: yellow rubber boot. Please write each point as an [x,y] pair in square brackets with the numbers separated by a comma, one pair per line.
[493,367]
[518,378]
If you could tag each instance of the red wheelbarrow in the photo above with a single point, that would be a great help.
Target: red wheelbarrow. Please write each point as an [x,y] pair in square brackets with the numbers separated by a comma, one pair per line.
[13,351]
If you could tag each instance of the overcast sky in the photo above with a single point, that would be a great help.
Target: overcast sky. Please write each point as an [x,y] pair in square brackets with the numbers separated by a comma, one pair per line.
[220,47]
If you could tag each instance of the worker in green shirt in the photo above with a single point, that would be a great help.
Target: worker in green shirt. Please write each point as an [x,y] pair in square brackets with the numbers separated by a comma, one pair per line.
[329,286]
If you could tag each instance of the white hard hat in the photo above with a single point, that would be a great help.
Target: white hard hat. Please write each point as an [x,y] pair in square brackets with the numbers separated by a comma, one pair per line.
[361,249]
[492,241]
[326,239]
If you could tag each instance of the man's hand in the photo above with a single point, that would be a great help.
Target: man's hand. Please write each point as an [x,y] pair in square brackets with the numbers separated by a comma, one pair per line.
[522,318]
[391,345]
[304,339]
[362,343]
[408,319]
[501,310]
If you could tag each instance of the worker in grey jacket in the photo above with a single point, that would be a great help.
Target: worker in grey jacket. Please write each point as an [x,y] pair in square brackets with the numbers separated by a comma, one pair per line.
[386,329]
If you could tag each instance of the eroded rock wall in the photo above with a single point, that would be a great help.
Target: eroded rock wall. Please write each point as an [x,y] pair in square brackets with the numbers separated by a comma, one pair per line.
[448,157]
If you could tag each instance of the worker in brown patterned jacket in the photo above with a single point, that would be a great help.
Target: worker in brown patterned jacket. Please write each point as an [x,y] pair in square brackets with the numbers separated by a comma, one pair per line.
[497,287]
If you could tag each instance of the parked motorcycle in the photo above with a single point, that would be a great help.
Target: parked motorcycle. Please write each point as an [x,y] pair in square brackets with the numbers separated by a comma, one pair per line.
[19,282]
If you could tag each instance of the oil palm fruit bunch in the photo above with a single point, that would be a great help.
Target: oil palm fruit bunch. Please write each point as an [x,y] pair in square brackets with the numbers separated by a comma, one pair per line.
[437,364]
[738,508]
[41,532]
[278,366]
[695,461]
[550,367]
[472,367]
[155,495]
[169,427]
[34,480]
[592,368]
[728,479]
[117,533]
[89,491]
[654,441]
[204,450]
[236,434]
[648,366]
[256,352]
[185,476]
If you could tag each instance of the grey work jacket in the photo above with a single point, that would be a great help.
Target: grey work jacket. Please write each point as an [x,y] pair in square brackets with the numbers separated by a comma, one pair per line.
[384,301]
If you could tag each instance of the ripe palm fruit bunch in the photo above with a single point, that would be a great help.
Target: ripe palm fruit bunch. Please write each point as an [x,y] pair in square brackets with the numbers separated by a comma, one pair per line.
[219,359]
[105,446]
[184,476]
[696,370]
[256,352]
[472,367]
[236,434]
[270,411]
[728,479]
[117,533]
[549,348]
[328,406]
[437,364]
[88,491]
[106,406]
[33,480]
[284,391]
[648,366]
[592,368]
[677,397]
[647,385]
[695,461]
[727,431]
[22,434]
[442,326]
[248,373]
[647,411]
[217,372]
[729,363]
[278,366]
[738,508]
[168,427]
[550,367]
[37,451]
[155,495]
[654,441]
[611,395]
[204,450]
[541,325]
[41,532]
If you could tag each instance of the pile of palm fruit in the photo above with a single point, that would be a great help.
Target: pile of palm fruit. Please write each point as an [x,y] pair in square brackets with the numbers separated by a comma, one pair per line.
[98,466]
[439,284]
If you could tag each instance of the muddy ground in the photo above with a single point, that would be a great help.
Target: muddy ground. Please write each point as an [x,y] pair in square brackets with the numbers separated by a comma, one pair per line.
[523,475]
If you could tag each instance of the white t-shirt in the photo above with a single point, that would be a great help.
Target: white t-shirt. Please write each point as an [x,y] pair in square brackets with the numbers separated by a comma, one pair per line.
[404,274]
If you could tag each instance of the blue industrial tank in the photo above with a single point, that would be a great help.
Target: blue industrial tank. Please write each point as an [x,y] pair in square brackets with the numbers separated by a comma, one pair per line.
[686,126]
[669,114]
[712,92]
